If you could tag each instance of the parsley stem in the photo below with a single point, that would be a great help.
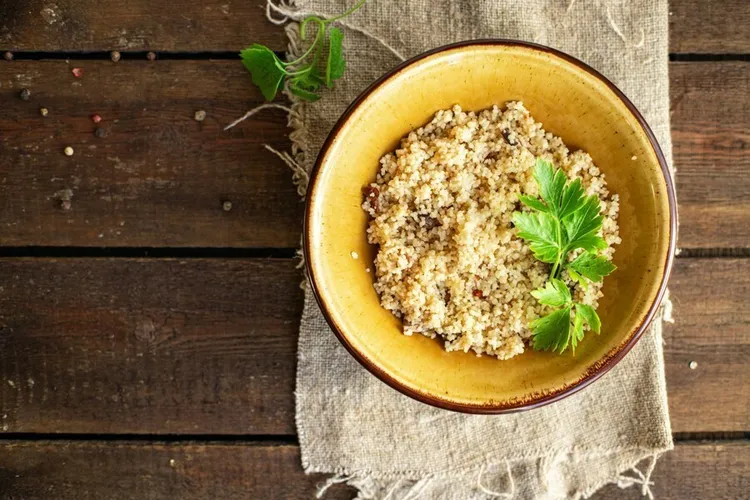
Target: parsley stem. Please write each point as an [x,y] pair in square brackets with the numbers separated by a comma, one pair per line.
[348,12]
[316,40]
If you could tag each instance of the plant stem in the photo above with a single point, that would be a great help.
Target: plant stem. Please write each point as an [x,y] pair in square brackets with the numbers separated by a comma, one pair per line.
[315,42]
[348,12]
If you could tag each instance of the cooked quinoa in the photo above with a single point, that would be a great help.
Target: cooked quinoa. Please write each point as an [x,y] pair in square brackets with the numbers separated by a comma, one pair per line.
[449,262]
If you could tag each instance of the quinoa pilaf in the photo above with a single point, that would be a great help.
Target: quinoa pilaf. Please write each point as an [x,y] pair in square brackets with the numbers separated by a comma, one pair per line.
[449,262]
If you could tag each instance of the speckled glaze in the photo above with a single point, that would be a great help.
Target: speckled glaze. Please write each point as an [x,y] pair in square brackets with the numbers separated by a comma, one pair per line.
[572,101]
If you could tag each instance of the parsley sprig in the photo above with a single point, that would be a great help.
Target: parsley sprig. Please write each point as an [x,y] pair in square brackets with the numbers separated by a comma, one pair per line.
[309,72]
[564,220]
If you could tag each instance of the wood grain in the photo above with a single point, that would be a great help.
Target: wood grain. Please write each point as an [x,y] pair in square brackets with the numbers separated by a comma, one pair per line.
[192,471]
[710,108]
[197,346]
[148,346]
[160,177]
[695,26]
[187,25]
[706,27]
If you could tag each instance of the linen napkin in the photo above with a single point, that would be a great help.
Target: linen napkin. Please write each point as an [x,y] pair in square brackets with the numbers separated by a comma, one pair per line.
[389,446]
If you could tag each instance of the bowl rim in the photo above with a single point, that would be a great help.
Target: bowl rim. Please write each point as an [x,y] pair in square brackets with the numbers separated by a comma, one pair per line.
[595,371]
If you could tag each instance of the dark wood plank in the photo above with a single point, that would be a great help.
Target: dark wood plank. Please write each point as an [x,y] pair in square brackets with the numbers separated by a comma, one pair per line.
[192,25]
[208,346]
[696,26]
[713,329]
[716,470]
[94,470]
[148,346]
[159,178]
[709,27]
[710,107]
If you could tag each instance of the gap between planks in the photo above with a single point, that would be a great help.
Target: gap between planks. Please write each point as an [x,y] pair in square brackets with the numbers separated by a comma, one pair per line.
[274,439]
[75,252]
[234,55]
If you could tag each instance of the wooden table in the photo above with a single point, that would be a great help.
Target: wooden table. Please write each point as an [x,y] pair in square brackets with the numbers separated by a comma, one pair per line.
[147,335]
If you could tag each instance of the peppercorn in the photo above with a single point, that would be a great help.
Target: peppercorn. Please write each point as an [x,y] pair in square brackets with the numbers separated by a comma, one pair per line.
[77,72]
[96,118]
[114,55]
[226,206]
[151,56]
[8,56]
[100,132]
[25,94]
[65,204]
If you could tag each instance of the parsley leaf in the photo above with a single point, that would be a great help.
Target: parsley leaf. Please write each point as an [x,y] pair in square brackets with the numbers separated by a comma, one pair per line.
[551,184]
[304,75]
[563,220]
[593,267]
[588,313]
[578,278]
[582,226]
[540,230]
[265,67]
[533,203]
[555,293]
[336,64]
[552,332]
[577,331]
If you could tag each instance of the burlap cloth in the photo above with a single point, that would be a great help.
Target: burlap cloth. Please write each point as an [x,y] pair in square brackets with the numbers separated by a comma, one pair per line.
[391,447]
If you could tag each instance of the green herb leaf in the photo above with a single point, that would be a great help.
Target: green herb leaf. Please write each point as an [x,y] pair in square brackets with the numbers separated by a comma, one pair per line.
[265,68]
[577,335]
[307,95]
[593,267]
[571,199]
[540,230]
[578,278]
[552,332]
[551,183]
[583,225]
[533,203]
[336,65]
[588,313]
[306,74]
[563,220]
[555,293]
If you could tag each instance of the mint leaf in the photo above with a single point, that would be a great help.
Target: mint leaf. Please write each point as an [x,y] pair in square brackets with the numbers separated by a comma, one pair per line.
[552,332]
[336,65]
[540,230]
[265,69]
[593,267]
[588,313]
[555,293]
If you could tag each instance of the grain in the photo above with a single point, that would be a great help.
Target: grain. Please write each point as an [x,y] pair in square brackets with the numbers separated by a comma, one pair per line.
[449,262]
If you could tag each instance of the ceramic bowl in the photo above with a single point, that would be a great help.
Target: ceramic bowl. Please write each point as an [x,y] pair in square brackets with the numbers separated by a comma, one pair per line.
[572,101]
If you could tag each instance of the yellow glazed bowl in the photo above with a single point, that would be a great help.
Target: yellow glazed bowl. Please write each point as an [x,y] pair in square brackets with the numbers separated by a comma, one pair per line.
[572,101]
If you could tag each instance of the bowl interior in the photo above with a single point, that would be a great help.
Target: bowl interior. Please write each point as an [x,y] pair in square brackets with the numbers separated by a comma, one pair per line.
[570,102]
